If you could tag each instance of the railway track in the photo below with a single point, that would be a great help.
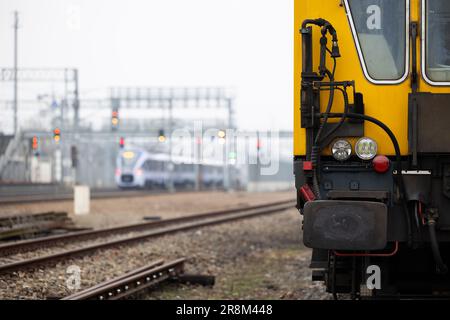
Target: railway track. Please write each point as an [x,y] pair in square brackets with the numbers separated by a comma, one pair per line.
[27,245]
[152,230]
[62,194]
[31,224]
[132,282]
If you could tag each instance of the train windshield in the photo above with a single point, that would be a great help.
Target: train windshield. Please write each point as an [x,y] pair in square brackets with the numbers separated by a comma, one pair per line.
[379,28]
[128,159]
[437,53]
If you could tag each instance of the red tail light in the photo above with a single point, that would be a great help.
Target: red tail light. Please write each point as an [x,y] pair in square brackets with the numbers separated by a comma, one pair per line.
[381,164]
[118,172]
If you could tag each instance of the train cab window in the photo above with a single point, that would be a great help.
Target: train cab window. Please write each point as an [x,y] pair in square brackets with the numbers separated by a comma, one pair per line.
[380,32]
[437,40]
[129,159]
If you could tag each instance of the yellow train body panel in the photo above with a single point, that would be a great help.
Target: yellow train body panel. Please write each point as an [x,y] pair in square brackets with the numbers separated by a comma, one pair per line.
[387,103]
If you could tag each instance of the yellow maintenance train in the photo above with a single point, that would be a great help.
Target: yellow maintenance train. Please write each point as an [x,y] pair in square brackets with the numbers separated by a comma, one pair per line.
[372,144]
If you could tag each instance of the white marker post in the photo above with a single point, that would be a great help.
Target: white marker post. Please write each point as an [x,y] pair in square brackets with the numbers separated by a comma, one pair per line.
[82,198]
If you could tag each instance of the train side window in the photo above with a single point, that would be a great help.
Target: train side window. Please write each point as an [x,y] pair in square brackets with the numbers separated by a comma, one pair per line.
[436,50]
[380,30]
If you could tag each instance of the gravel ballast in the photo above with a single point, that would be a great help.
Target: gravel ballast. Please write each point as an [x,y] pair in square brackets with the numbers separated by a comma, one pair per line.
[119,211]
[257,258]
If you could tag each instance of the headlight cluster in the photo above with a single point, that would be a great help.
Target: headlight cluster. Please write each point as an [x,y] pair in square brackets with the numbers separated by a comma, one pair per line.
[341,150]
[365,149]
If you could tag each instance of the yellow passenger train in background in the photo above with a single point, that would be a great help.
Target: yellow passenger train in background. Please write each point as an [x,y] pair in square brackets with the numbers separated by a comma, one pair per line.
[372,144]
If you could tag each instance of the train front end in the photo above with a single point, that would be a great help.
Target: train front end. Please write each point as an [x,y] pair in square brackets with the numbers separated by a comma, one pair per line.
[372,144]
[128,173]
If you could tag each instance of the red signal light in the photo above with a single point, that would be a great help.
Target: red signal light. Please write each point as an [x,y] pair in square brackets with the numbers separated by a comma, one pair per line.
[122,142]
[34,143]
[57,135]
[114,119]
[381,164]
[258,144]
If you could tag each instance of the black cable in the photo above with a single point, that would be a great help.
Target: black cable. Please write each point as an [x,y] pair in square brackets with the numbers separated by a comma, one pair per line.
[344,116]
[333,289]
[330,103]
[398,161]
[418,219]
[318,22]
[315,149]
[441,267]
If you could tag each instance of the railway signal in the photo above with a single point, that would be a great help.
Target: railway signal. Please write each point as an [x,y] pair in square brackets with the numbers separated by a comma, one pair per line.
[232,157]
[222,135]
[35,145]
[57,135]
[258,144]
[161,136]
[114,119]
[122,142]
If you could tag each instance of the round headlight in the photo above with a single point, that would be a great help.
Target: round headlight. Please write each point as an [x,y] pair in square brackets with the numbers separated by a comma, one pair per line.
[366,148]
[341,150]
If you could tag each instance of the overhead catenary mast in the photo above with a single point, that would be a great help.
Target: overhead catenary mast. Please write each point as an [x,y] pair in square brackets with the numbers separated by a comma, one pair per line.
[16,28]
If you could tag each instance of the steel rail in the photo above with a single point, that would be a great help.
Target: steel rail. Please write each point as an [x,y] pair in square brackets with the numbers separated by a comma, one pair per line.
[132,282]
[68,195]
[28,263]
[27,245]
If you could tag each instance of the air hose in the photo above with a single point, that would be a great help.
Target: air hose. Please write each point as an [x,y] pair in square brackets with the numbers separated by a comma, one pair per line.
[315,150]
[441,267]
[334,52]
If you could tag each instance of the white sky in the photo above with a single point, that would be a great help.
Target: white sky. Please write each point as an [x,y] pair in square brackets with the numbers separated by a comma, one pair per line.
[242,44]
